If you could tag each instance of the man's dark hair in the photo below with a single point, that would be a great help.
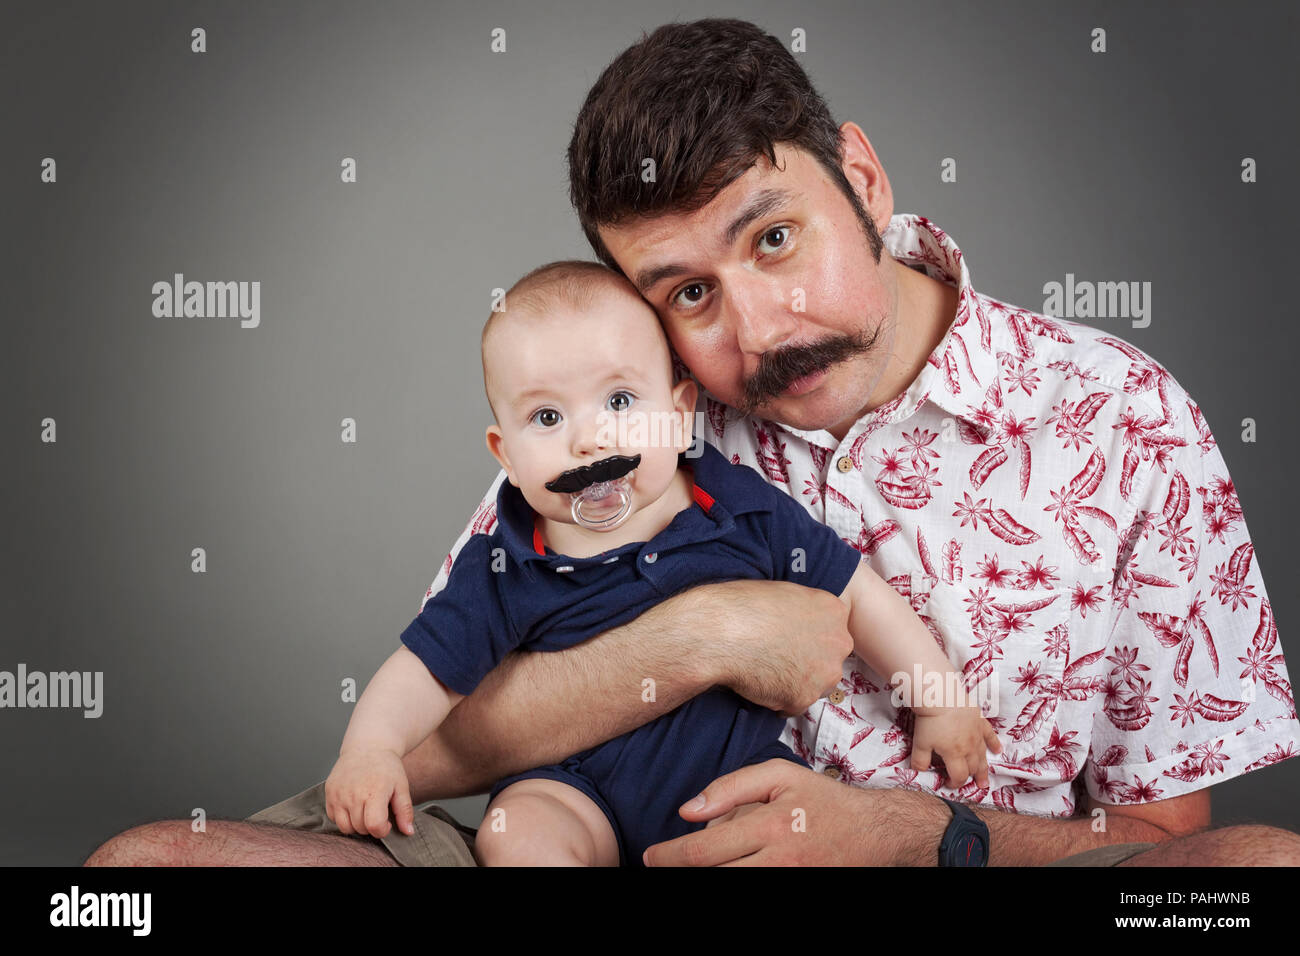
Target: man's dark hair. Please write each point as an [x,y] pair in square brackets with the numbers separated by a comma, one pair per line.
[704,100]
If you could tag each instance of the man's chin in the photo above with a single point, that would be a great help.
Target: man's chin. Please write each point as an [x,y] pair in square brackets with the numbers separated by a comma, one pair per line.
[810,412]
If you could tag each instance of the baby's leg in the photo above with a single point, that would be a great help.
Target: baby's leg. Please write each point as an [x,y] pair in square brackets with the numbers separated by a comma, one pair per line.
[540,822]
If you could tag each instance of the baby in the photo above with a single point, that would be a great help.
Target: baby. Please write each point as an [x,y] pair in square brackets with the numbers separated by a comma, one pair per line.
[604,516]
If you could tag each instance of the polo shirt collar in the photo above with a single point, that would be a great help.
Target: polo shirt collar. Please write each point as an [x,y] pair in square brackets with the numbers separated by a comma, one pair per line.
[713,479]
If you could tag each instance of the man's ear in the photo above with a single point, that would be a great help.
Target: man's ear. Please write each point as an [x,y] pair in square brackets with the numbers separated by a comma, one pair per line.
[496,445]
[866,174]
[685,395]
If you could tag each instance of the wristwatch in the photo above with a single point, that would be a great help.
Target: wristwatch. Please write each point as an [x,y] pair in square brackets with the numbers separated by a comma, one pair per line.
[966,841]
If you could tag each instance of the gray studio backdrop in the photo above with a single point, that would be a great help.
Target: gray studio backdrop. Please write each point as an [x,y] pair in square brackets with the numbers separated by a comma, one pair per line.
[221,689]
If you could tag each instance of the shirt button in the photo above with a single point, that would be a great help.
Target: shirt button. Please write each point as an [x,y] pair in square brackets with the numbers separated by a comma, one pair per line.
[610,560]
[845,464]
[836,696]
[564,567]
[651,558]
[832,771]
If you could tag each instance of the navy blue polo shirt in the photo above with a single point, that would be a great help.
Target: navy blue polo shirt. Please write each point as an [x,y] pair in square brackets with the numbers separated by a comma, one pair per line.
[507,590]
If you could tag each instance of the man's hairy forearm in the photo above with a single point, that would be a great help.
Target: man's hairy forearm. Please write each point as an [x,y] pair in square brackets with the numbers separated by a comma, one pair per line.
[917,822]
[538,708]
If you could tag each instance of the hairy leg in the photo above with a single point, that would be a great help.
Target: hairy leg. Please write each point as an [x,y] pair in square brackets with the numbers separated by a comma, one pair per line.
[1247,845]
[235,843]
[538,822]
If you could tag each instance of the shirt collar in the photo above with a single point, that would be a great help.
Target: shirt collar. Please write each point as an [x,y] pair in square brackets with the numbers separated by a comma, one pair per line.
[713,480]
[961,368]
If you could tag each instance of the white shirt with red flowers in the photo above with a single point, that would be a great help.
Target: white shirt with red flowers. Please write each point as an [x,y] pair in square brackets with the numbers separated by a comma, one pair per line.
[1056,510]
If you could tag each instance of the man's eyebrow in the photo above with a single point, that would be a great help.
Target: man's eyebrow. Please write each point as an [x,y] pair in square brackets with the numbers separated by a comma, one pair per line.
[764,203]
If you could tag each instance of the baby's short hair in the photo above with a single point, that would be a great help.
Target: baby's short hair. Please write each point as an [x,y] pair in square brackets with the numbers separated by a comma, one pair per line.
[572,282]
[575,283]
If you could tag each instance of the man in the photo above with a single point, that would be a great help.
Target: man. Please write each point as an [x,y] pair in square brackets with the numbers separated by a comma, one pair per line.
[1047,496]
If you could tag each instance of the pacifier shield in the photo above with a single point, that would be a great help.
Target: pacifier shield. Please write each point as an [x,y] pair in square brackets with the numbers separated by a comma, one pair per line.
[602,506]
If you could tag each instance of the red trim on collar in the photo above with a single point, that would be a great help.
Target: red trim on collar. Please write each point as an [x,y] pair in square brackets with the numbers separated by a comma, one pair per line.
[538,545]
[702,497]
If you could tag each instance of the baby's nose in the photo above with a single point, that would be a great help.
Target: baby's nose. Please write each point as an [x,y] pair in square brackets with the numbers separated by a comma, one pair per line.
[590,440]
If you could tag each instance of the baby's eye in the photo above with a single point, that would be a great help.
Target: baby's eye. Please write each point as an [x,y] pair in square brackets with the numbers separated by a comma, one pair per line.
[777,231]
[620,401]
[546,417]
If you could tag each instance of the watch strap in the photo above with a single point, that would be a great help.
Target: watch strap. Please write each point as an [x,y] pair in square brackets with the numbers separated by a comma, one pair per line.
[966,840]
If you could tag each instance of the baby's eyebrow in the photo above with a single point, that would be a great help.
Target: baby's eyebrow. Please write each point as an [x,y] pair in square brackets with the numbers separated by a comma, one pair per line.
[628,372]
[523,398]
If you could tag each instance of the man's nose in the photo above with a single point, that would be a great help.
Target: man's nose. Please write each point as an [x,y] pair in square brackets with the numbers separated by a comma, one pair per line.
[762,316]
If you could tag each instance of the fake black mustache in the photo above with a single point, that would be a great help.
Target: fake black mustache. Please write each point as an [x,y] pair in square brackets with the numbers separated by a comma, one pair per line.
[607,469]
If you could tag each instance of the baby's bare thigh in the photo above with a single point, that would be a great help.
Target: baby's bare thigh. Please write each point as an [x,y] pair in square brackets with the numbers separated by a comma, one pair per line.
[539,822]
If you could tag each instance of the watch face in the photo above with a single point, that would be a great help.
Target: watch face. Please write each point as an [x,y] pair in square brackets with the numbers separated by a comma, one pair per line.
[970,851]
[965,842]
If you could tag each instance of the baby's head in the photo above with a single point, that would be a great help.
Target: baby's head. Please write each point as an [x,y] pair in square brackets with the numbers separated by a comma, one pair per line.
[577,370]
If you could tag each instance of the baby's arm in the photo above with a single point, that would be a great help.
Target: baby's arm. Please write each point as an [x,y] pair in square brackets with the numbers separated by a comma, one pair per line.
[402,704]
[892,640]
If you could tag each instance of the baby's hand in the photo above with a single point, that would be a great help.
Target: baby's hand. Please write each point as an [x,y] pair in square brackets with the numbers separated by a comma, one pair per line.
[960,736]
[360,789]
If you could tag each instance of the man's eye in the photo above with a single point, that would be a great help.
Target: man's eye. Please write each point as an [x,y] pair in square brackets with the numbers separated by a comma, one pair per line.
[777,235]
[690,295]
[546,417]
[620,401]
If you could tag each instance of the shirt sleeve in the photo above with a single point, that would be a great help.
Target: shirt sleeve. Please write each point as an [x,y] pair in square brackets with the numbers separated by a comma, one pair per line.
[805,551]
[462,632]
[1196,690]
[484,521]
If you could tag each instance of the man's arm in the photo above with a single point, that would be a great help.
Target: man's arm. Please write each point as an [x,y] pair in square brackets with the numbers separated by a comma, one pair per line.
[844,825]
[1023,840]
[775,643]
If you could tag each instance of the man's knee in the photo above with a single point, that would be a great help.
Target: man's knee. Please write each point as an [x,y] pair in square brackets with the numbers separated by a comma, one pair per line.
[1244,845]
[1257,845]
[236,843]
[162,843]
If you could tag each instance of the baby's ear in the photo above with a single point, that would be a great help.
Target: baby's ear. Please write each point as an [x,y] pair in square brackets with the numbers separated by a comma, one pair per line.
[685,394]
[496,445]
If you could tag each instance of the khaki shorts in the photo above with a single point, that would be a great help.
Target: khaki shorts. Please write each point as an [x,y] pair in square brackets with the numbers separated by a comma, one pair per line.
[1111,855]
[440,840]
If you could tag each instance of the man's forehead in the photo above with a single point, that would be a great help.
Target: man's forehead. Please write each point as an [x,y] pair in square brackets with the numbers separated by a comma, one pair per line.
[650,249]
[721,235]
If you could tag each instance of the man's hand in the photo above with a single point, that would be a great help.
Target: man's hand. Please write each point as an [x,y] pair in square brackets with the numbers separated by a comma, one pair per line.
[797,818]
[360,789]
[790,645]
[751,819]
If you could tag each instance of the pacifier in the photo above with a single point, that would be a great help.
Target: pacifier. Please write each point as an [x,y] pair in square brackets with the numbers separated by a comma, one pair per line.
[600,495]
[602,506]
